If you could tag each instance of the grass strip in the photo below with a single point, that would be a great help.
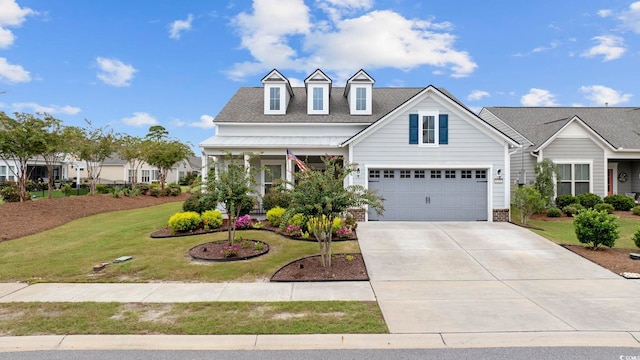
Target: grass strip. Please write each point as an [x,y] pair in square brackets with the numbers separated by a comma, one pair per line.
[210,318]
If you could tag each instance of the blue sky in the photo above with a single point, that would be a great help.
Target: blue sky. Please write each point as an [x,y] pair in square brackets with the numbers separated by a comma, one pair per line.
[132,64]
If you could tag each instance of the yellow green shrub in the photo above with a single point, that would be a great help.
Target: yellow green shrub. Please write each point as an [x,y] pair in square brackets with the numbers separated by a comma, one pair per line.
[184,221]
[212,218]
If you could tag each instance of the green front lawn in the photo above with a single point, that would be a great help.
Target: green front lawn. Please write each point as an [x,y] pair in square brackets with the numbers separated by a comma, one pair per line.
[69,252]
[562,232]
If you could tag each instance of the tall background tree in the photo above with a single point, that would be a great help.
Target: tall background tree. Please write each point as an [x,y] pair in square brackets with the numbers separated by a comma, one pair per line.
[132,150]
[93,146]
[56,149]
[163,152]
[321,195]
[22,138]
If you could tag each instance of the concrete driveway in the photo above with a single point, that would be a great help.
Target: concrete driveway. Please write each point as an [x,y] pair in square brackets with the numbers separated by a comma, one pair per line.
[466,277]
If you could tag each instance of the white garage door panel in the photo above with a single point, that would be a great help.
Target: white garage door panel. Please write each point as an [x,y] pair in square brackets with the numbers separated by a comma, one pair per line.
[432,195]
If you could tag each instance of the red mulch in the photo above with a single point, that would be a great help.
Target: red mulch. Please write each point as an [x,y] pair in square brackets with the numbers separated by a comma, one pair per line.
[343,267]
[31,217]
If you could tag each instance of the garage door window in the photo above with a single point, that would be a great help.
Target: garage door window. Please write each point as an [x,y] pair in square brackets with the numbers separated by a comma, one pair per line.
[465,174]
[450,174]
[374,174]
[481,174]
[436,174]
[418,174]
[405,174]
[388,174]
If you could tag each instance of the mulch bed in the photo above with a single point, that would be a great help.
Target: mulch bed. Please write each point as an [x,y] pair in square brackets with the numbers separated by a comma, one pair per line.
[344,267]
[213,251]
[31,217]
[616,260]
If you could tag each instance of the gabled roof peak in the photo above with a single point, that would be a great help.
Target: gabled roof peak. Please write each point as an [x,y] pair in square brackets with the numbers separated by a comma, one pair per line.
[317,77]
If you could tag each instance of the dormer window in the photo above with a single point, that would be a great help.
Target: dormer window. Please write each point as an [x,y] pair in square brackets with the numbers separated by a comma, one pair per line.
[274,99]
[361,99]
[318,92]
[277,93]
[359,93]
[318,99]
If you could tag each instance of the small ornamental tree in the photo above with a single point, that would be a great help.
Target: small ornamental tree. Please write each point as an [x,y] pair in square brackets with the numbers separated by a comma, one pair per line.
[233,186]
[321,195]
[163,152]
[546,171]
[528,201]
[55,150]
[132,150]
[596,228]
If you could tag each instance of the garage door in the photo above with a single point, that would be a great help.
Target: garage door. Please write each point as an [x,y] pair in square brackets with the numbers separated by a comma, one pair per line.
[431,194]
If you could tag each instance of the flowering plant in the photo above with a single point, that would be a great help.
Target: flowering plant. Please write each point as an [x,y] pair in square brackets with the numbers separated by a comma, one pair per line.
[344,232]
[243,222]
[229,251]
[293,230]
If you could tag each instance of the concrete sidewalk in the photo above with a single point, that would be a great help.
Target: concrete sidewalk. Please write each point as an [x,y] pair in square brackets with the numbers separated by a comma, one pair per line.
[186,292]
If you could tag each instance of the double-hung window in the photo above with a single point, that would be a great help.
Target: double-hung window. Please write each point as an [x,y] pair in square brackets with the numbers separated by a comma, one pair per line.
[318,99]
[154,175]
[133,175]
[574,179]
[361,98]
[428,125]
[274,98]
[145,176]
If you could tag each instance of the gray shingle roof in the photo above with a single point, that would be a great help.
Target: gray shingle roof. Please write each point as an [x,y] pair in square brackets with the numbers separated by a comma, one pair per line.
[247,106]
[620,126]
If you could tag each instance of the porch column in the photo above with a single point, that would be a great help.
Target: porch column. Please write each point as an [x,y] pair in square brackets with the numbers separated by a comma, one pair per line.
[204,174]
[288,174]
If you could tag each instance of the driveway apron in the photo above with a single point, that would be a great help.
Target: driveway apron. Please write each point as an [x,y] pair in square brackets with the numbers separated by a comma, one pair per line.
[462,277]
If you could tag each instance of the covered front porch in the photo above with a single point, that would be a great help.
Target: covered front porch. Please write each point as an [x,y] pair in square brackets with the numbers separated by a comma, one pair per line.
[623,177]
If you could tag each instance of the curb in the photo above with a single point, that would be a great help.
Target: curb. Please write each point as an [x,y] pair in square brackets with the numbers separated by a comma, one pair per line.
[319,341]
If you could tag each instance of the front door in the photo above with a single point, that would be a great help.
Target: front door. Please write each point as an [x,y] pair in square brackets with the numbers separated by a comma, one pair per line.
[610,180]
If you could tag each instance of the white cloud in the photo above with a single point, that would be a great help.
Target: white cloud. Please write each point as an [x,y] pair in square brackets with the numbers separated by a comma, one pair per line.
[13,73]
[140,119]
[604,13]
[601,95]
[375,39]
[477,95]
[631,18]
[11,15]
[206,122]
[179,26]
[611,47]
[552,45]
[538,97]
[114,72]
[49,109]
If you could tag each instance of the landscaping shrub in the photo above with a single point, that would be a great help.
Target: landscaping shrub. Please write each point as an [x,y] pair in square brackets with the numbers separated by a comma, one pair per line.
[158,192]
[572,209]
[199,203]
[102,189]
[243,222]
[620,202]
[212,218]
[275,216]
[276,196]
[554,212]
[636,237]
[528,201]
[565,200]
[636,210]
[604,207]
[336,225]
[11,194]
[144,187]
[298,220]
[173,189]
[184,221]
[589,200]
[596,228]
[67,189]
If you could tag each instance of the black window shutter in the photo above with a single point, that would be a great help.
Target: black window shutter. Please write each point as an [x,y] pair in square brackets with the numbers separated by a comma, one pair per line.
[443,120]
[413,128]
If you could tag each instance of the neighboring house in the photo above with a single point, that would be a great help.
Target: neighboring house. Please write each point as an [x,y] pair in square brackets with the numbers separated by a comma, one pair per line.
[428,155]
[36,169]
[596,149]
[118,171]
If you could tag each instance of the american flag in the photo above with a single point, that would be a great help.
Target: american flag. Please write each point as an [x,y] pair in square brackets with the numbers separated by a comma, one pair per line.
[291,156]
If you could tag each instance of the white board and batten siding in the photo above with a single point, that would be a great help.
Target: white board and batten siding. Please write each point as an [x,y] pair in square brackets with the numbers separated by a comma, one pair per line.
[468,147]
[580,150]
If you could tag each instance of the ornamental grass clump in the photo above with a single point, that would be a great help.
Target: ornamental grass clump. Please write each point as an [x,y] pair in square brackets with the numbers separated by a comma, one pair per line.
[595,228]
[184,221]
